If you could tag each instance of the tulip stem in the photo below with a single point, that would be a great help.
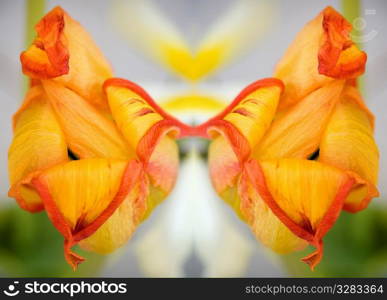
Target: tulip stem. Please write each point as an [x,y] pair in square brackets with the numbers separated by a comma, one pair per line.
[34,10]
[351,10]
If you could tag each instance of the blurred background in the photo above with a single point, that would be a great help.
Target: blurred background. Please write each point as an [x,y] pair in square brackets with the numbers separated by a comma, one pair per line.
[193,233]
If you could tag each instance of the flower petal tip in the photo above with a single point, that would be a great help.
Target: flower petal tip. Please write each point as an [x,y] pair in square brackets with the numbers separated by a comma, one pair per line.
[313,259]
[71,257]
[48,56]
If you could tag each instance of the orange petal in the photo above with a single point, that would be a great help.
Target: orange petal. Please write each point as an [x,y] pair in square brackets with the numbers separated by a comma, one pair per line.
[349,144]
[150,131]
[251,112]
[88,132]
[142,122]
[338,56]
[38,144]
[135,112]
[266,226]
[223,163]
[306,196]
[225,169]
[65,51]
[297,132]
[81,195]
[246,119]
[321,51]
[119,227]
[235,131]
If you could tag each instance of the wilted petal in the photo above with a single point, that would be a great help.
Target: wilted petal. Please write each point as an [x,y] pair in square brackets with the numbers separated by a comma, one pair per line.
[88,131]
[321,52]
[38,143]
[65,51]
[348,144]
[80,196]
[338,56]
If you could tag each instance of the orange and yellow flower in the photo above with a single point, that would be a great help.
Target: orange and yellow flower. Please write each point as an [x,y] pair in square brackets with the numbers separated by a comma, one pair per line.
[95,152]
[291,152]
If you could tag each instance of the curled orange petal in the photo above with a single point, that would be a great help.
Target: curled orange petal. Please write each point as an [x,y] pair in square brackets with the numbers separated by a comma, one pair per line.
[339,57]
[65,52]
[48,56]
[306,196]
[80,196]
[321,52]
[150,131]
[245,121]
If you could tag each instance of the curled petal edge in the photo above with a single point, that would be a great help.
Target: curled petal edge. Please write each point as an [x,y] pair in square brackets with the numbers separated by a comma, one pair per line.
[202,130]
[338,56]
[185,130]
[48,56]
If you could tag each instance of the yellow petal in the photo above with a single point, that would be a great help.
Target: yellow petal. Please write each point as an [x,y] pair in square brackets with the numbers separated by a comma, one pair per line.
[247,117]
[237,130]
[142,122]
[297,132]
[266,226]
[88,132]
[65,51]
[150,131]
[80,196]
[307,196]
[348,143]
[253,115]
[38,144]
[163,164]
[131,112]
[321,51]
[118,228]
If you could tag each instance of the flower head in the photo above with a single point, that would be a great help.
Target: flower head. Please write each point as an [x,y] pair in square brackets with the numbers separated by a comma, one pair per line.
[95,152]
[291,152]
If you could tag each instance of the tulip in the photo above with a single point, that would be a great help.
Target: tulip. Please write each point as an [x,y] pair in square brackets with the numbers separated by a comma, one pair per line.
[291,152]
[95,152]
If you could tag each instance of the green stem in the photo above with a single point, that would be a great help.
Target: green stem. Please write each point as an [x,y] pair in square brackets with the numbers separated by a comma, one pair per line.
[34,10]
[351,10]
